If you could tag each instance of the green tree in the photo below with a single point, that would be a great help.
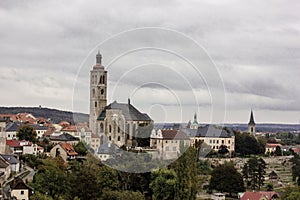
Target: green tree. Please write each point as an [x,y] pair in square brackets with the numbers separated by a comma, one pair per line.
[293,196]
[40,196]
[278,151]
[187,174]
[163,184]
[51,178]
[120,195]
[27,133]
[225,178]
[223,150]
[254,171]
[80,149]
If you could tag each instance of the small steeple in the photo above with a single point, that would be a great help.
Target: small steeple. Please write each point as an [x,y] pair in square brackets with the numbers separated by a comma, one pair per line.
[251,122]
[98,58]
[195,117]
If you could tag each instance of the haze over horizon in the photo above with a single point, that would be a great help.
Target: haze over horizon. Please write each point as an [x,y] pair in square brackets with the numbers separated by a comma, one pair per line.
[48,47]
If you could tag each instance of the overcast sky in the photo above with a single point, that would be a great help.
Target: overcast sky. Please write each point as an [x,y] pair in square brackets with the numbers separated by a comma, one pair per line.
[216,58]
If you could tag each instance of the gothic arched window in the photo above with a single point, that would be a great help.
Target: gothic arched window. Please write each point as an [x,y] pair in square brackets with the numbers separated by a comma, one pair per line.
[109,128]
[94,93]
[101,127]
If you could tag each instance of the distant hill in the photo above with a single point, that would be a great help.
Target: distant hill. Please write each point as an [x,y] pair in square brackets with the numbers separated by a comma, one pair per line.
[47,113]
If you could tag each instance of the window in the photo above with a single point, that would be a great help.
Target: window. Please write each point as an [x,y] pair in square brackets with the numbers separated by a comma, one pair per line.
[213,141]
[222,141]
[174,148]
[101,127]
[96,104]
[119,129]
[166,141]
[119,138]
[228,141]
[9,135]
[109,127]
[109,138]
[167,148]
[102,91]
[22,192]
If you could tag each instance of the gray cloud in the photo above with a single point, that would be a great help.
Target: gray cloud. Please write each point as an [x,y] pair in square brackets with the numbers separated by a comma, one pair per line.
[255,46]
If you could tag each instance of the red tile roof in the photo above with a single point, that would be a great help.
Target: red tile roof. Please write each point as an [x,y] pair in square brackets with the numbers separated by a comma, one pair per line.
[13,143]
[68,148]
[70,128]
[259,195]
[268,145]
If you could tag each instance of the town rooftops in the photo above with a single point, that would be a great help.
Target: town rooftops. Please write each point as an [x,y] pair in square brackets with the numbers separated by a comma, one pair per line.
[129,111]
[64,137]
[12,127]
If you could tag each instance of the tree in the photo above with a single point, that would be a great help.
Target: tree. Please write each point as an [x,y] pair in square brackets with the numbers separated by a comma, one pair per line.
[27,133]
[51,178]
[296,168]
[294,196]
[225,178]
[163,184]
[247,144]
[186,170]
[254,171]
[223,150]
[278,151]
[80,149]
[120,195]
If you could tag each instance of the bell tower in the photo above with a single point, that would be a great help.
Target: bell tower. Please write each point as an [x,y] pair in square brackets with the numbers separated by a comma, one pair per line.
[98,92]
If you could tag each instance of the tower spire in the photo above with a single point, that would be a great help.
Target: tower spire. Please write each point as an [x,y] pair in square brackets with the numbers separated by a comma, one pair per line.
[251,118]
[98,58]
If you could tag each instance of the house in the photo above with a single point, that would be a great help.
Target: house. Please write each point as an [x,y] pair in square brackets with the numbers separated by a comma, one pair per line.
[107,150]
[167,143]
[13,162]
[80,131]
[65,137]
[260,195]
[22,147]
[20,190]
[271,147]
[212,136]
[95,142]
[15,146]
[39,129]
[11,130]
[65,150]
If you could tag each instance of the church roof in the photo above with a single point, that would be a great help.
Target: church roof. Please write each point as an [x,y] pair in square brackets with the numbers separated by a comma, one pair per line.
[129,111]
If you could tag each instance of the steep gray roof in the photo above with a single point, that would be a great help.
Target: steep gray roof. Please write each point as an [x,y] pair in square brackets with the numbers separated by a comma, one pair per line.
[106,149]
[64,137]
[12,127]
[11,159]
[208,131]
[129,111]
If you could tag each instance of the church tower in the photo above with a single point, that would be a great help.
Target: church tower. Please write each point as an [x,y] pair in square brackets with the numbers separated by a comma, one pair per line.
[251,124]
[98,92]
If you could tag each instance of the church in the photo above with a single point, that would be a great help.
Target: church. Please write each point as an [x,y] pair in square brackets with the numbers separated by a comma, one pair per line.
[116,123]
